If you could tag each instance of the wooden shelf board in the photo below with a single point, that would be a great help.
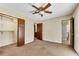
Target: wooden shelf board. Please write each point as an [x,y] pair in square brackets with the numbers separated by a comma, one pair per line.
[6,30]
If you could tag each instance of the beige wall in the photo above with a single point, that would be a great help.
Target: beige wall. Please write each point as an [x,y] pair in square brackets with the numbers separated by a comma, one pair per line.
[52,29]
[29,27]
[29,31]
[76,25]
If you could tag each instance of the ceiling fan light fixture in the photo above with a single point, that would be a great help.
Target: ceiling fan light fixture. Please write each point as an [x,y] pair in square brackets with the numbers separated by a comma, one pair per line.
[41,12]
[42,9]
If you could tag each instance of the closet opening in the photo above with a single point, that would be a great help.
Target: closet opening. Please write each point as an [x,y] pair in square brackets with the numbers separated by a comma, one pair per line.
[12,30]
[8,30]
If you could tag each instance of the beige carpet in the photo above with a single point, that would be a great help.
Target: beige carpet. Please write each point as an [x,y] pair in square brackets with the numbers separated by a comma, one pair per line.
[38,48]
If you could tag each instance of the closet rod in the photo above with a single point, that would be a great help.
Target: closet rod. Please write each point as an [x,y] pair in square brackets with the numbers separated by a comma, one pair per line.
[7,15]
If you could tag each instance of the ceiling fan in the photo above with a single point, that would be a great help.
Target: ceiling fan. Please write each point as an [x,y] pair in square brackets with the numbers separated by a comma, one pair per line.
[42,9]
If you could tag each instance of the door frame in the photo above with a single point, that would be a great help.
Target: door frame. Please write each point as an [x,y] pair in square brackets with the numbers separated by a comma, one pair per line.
[35,34]
[72,32]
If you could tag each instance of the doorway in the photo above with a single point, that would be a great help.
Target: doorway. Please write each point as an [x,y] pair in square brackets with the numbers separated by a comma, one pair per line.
[38,30]
[68,32]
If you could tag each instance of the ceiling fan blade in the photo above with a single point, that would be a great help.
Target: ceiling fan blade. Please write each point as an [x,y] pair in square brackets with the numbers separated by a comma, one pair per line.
[35,12]
[35,7]
[48,5]
[48,12]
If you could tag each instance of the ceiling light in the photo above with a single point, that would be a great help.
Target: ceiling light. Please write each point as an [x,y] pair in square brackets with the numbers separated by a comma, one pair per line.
[42,12]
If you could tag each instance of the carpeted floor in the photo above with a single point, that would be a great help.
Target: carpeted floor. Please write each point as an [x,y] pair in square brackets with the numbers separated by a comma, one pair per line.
[38,48]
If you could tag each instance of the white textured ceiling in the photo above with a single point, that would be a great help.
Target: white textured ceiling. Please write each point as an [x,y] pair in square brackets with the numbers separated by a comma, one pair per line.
[58,9]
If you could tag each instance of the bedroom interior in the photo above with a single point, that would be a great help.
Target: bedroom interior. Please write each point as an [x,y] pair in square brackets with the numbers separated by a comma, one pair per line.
[39,29]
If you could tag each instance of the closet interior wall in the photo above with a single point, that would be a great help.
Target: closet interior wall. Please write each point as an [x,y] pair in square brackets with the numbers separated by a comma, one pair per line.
[8,30]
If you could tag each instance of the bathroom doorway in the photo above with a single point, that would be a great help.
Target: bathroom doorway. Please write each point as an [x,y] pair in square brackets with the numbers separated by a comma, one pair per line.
[68,32]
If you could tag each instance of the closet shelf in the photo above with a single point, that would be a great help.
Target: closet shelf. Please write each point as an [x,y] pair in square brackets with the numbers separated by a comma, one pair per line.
[6,30]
